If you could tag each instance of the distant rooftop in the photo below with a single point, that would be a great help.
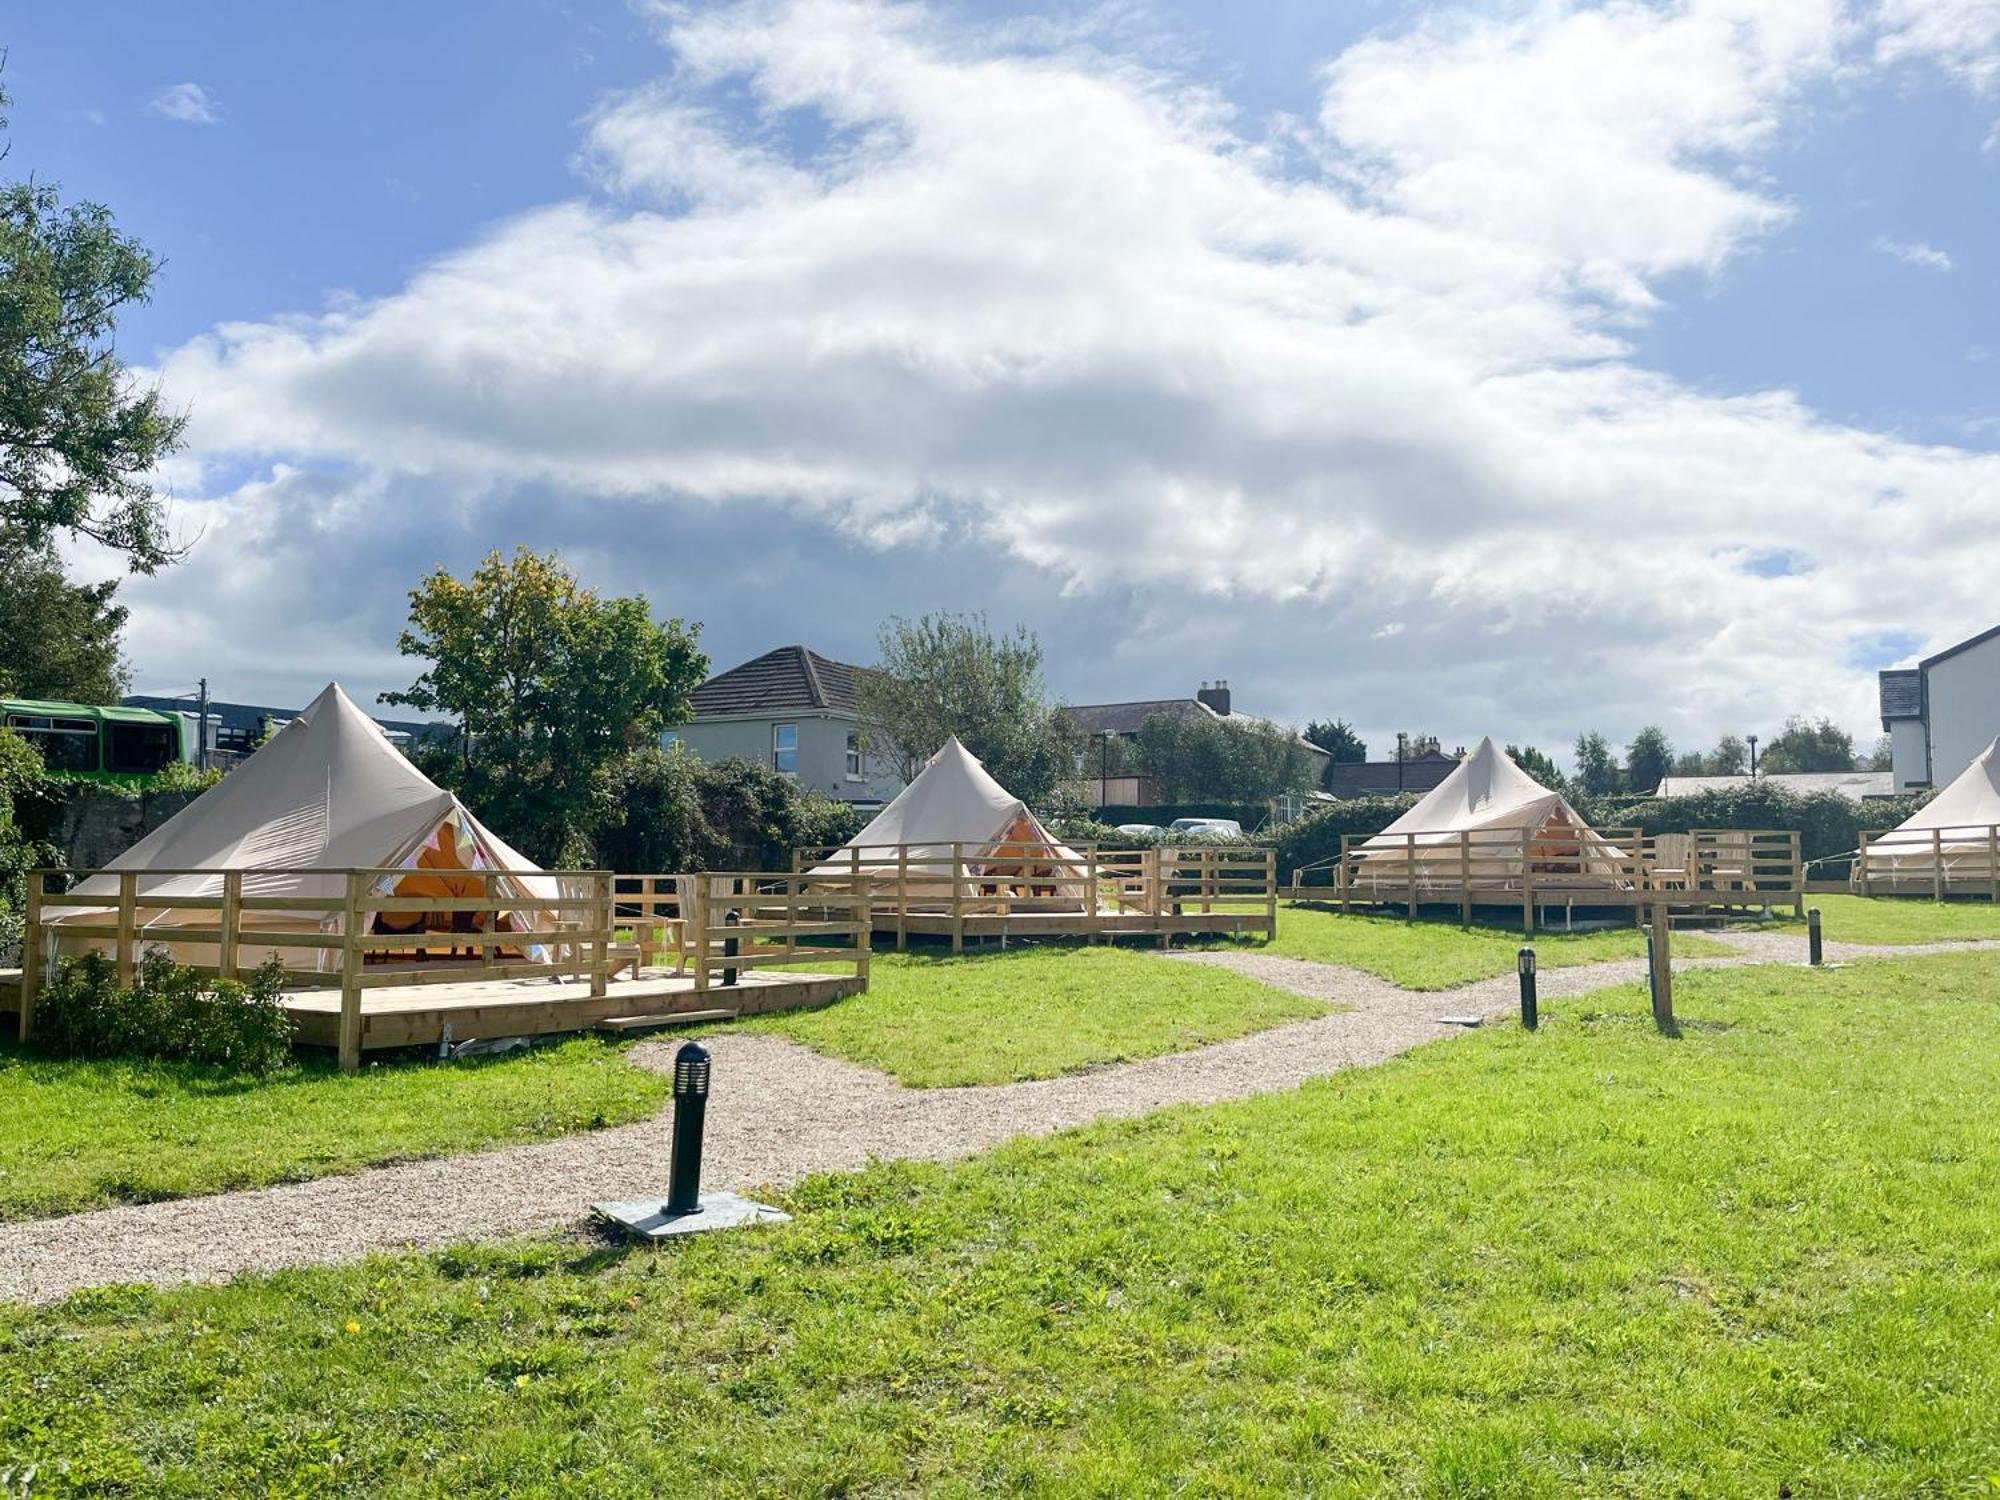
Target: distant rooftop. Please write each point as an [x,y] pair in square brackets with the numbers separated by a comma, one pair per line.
[1856,786]
[791,677]
[1385,778]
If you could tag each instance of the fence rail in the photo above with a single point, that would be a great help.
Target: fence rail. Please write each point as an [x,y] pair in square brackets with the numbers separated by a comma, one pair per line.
[1091,891]
[598,924]
[1957,859]
[1617,867]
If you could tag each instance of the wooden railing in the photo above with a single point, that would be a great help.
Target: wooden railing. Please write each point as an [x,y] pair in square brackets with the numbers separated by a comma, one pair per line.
[1956,859]
[1603,867]
[1091,890]
[597,924]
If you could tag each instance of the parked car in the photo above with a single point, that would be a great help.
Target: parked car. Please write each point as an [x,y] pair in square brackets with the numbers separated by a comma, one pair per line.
[1220,827]
[1144,829]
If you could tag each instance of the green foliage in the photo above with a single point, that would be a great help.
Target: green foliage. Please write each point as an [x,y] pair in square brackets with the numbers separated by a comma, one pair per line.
[1648,759]
[1730,757]
[1807,745]
[1314,840]
[169,1011]
[26,794]
[676,813]
[1880,920]
[58,639]
[1338,739]
[1828,824]
[1194,757]
[1597,774]
[78,1135]
[947,674]
[76,441]
[182,776]
[940,1022]
[1539,766]
[551,684]
[1585,1261]
[1883,756]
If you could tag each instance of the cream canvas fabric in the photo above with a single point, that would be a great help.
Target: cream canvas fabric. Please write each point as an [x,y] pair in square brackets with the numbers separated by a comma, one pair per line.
[326,794]
[1952,826]
[954,800]
[1496,803]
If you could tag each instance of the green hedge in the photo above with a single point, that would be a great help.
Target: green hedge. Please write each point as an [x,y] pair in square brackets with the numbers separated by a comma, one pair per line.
[167,1012]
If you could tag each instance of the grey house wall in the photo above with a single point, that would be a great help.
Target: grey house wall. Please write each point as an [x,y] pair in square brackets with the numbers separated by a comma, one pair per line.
[822,750]
[1963,692]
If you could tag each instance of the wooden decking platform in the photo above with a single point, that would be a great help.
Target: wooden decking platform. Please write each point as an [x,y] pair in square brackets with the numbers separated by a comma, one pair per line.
[417,1016]
[1107,926]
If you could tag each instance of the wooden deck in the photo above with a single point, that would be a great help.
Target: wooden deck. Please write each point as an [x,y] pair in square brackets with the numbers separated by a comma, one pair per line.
[538,1007]
[1107,926]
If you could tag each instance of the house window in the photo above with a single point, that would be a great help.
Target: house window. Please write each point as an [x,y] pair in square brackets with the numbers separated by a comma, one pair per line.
[854,757]
[785,748]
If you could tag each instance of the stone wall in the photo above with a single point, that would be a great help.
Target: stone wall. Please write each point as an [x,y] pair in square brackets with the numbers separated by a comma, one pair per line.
[95,824]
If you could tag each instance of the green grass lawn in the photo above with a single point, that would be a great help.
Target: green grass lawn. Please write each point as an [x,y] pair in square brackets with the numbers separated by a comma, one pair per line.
[1902,919]
[77,1135]
[1035,1012]
[1435,954]
[1586,1261]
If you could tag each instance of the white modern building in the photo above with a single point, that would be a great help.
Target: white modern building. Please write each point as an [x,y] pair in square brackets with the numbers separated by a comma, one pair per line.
[1942,712]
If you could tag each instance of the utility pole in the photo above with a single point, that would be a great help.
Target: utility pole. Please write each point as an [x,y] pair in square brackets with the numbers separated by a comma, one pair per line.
[1753,756]
[201,728]
[1400,738]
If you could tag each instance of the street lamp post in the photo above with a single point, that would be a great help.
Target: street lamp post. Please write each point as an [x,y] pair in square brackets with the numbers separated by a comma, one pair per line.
[1753,756]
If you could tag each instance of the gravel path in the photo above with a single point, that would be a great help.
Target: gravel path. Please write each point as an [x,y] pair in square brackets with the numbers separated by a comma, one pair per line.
[779,1113]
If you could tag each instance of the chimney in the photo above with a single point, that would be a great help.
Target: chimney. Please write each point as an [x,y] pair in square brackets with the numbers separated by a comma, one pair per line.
[1216,697]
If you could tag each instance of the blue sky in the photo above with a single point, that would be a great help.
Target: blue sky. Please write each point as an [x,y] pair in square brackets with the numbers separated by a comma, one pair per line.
[1431,367]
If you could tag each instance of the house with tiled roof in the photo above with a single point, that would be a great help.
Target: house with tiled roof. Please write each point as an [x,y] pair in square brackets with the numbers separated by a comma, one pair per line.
[1099,724]
[794,711]
[1942,712]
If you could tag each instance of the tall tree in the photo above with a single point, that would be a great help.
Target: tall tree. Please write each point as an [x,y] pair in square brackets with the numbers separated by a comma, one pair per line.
[1730,757]
[1648,759]
[1199,759]
[1596,771]
[57,639]
[1883,756]
[1338,739]
[1808,745]
[948,674]
[551,685]
[77,437]
[1539,766]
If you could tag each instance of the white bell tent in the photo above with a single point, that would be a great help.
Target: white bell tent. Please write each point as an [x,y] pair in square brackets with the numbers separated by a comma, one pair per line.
[326,794]
[955,804]
[1953,835]
[1476,827]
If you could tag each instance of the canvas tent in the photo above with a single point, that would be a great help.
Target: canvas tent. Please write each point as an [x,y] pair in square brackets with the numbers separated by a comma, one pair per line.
[1478,825]
[1952,837]
[1009,857]
[326,794]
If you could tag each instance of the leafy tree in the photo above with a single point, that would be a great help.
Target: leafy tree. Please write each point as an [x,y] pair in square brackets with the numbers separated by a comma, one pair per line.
[1690,763]
[1730,757]
[1338,739]
[1194,758]
[57,639]
[1414,746]
[77,440]
[1596,772]
[1648,758]
[678,813]
[947,674]
[1808,745]
[551,685]
[1539,766]
[1883,756]
[25,789]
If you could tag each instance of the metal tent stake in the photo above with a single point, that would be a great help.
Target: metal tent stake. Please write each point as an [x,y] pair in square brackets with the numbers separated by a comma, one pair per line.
[686,1210]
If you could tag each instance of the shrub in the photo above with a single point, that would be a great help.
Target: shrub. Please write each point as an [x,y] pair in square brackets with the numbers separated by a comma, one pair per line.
[1828,825]
[168,1012]
[25,793]
[1315,838]
[677,813]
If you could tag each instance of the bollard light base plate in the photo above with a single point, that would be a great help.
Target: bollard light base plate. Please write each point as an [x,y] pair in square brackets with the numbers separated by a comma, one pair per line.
[648,1218]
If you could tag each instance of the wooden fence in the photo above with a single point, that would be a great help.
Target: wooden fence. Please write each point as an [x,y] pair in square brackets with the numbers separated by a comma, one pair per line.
[1960,859]
[597,924]
[1096,893]
[1609,867]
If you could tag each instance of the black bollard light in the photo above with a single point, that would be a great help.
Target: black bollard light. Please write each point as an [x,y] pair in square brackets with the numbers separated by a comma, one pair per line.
[690,1112]
[1530,1017]
[731,946]
[1815,952]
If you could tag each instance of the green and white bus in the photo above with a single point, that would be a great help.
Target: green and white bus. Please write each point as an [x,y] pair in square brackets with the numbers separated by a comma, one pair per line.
[120,746]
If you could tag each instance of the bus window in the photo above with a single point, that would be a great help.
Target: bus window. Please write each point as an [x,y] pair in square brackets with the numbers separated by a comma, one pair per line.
[139,749]
[67,745]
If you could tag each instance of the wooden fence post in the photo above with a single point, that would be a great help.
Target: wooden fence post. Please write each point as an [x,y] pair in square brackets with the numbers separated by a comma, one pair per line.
[1410,874]
[1663,969]
[864,937]
[600,944]
[350,975]
[1993,862]
[128,886]
[697,918]
[1346,880]
[1271,893]
[1528,882]
[957,897]
[1090,920]
[232,918]
[31,953]
[1798,875]
[1937,864]
[1862,854]
[902,897]
[1464,878]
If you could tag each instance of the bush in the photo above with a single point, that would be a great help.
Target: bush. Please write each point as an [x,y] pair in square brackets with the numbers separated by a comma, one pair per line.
[1828,824]
[25,794]
[677,813]
[169,1012]
[1315,838]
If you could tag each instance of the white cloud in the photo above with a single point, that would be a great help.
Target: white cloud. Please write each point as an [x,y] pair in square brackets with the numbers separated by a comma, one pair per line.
[186,104]
[1913,253]
[928,288]
[1962,36]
